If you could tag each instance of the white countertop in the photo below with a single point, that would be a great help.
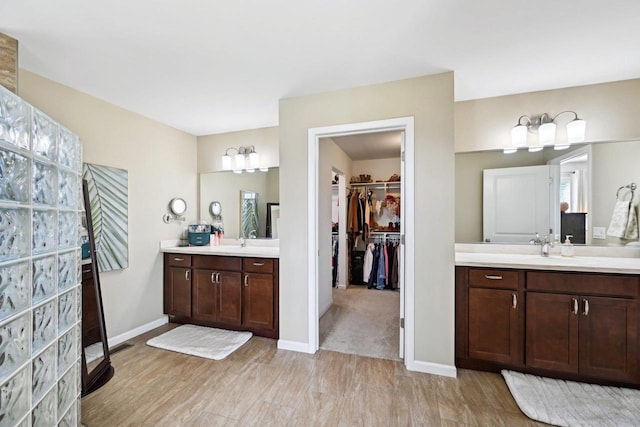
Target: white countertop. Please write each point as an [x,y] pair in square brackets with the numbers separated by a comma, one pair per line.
[527,257]
[253,248]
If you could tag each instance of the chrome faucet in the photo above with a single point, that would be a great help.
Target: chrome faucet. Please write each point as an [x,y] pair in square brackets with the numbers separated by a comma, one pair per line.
[253,234]
[546,243]
[242,241]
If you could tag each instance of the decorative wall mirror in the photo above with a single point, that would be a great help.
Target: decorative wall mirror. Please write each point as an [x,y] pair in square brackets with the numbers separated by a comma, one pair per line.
[96,362]
[177,208]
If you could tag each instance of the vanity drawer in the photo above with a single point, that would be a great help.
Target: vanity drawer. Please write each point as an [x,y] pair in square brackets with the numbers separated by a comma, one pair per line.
[87,272]
[214,262]
[580,283]
[178,260]
[493,278]
[257,265]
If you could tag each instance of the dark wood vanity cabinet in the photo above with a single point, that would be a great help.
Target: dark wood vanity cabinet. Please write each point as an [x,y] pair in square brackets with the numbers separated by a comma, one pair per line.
[223,291]
[177,285]
[580,326]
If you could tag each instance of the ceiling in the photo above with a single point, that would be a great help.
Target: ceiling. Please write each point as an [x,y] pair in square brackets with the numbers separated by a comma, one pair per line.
[208,66]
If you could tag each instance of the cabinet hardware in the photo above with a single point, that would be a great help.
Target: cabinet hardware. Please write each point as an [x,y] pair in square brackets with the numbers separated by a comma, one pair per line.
[514,300]
[213,277]
[246,280]
[574,303]
[86,271]
[585,311]
[178,259]
[218,278]
[186,274]
[492,277]
[258,264]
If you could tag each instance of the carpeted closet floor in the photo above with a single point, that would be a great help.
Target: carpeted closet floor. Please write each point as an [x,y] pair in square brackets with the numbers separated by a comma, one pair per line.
[362,321]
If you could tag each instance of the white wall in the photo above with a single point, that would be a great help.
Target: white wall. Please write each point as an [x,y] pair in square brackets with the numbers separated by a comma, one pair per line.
[330,156]
[379,169]
[429,100]
[162,164]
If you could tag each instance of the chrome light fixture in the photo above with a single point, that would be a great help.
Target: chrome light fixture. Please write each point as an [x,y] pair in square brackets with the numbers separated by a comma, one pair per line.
[545,126]
[245,158]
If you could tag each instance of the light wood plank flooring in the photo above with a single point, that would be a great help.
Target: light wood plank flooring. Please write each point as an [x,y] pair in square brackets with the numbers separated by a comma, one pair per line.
[259,385]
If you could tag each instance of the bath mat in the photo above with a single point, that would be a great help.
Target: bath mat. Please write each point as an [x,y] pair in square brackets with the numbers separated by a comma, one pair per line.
[210,343]
[569,403]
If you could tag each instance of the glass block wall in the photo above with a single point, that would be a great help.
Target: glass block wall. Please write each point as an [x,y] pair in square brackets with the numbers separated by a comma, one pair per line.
[40,292]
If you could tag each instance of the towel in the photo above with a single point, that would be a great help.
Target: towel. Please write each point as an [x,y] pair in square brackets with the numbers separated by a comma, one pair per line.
[624,221]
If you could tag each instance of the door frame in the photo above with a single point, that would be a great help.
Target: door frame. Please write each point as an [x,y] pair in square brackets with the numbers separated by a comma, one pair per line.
[405,124]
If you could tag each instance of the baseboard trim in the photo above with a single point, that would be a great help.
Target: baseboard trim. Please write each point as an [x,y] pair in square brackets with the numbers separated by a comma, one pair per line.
[433,368]
[119,339]
[300,347]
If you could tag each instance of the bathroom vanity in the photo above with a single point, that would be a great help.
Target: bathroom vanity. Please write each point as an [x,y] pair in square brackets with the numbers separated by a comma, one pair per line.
[223,287]
[574,318]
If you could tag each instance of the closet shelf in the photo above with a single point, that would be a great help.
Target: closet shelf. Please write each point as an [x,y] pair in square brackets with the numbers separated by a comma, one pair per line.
[377,185]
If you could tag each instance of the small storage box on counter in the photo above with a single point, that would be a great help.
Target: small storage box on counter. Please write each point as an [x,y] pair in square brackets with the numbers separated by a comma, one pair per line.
[199,234]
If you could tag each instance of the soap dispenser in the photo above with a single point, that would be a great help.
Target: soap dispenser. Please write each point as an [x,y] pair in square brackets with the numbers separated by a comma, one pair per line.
[567,247]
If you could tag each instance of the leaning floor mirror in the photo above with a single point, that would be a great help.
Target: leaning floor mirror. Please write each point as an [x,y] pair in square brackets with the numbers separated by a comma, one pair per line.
[96,363]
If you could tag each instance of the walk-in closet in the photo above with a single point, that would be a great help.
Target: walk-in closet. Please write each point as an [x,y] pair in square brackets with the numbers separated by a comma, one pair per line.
[360,296]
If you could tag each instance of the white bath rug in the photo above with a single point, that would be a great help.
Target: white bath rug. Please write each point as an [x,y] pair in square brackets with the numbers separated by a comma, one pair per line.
[210,343]
[569,403]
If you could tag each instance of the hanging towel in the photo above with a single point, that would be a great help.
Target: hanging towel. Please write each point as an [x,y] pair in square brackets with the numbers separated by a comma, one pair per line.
[624,221]
[368,263]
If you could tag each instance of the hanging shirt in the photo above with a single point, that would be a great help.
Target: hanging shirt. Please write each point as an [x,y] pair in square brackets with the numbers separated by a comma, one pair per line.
[381,271]
[368,263]
[373,277]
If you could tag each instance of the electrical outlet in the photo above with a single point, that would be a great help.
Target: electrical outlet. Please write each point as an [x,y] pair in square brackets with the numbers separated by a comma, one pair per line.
[599,233]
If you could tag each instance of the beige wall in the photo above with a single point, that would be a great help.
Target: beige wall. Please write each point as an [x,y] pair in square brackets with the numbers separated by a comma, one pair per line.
[429,100]
[610,109]
[162,164]
[212,147]
[379,169]
[330,156]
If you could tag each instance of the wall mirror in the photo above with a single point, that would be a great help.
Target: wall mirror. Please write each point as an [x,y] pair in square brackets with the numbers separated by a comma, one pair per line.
[215,209]
[610,166]
[225,187]
[248,214]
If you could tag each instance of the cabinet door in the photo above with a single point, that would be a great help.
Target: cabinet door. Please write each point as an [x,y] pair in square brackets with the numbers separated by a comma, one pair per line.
[230,298]
[552,331]
[177,296]
[493,325]
[609,338]
[205,295]
[258,301]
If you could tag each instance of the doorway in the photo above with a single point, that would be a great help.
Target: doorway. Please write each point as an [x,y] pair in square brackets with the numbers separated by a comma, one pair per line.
[406,126]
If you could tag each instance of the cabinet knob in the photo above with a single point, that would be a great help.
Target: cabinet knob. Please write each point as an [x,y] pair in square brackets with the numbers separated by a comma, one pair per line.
[514,300]
[213,277]
[218,278]
[178,259]
[585,307]
[574,303]
[246,280]
[493,277]
[258,264]
[186,274]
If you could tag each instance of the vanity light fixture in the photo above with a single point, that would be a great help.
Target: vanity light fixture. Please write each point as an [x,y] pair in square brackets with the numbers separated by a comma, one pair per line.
[545,126]
[245,158]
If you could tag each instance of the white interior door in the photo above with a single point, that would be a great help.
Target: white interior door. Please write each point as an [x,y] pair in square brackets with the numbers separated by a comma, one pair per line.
[401,246]
[516,203]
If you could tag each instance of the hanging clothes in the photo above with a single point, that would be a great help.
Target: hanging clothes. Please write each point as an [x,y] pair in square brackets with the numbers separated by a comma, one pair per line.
[373,276]
[352,218]
[396,263]
[381,269]
[368,263]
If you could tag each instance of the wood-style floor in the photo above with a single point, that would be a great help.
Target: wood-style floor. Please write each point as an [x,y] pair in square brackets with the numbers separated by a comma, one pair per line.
[259,385]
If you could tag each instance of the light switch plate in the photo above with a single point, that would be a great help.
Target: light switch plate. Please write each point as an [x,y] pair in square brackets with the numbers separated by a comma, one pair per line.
[599,233]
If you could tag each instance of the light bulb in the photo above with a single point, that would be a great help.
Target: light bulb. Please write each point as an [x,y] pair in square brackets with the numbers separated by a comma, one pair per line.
[510,150]
[547,133]
[534,148]
[250,170]
[519,136]
[239,161]
[226,162]
[576,130]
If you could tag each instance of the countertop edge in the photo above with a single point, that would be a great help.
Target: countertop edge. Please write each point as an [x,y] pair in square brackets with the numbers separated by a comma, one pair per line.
[220,251]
